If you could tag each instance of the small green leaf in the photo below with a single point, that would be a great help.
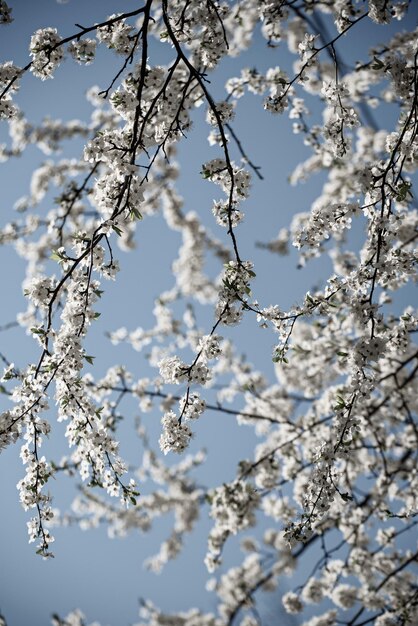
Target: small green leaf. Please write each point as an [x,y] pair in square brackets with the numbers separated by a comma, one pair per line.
[55,256]
[135,214]
[378,64]
[37,331]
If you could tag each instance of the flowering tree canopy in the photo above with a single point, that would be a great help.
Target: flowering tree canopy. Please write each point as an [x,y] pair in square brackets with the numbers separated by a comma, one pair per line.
[329,494]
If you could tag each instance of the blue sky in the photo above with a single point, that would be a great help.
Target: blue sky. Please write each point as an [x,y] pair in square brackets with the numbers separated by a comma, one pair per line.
[106,578]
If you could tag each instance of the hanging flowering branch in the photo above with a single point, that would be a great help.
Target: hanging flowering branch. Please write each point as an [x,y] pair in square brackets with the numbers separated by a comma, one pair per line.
[336,433]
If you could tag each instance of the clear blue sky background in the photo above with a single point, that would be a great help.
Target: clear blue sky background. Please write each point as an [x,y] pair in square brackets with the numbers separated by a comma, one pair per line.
[105,578]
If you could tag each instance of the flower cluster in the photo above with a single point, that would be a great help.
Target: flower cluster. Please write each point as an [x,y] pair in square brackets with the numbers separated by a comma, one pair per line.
[40,290]
[234,292]
[176,436]
[46,52]
[232,507]
[83,51]
[339,117]
[173,370]
[210,346]
[324,222]
[9,74]
[191,406]
[116,35]
[221,113]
